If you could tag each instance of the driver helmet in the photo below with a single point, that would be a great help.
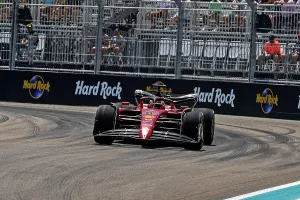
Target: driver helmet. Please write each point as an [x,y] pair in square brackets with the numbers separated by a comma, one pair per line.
[151,104]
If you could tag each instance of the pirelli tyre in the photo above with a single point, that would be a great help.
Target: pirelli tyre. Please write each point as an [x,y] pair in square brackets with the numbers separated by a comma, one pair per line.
[209,125]
[192,126]
[104,120]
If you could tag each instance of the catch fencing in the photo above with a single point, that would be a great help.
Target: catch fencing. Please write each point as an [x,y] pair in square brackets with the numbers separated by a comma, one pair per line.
[192,40]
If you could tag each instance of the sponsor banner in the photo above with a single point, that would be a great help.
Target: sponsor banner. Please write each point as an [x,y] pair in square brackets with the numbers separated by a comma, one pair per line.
[276,101]
[232,98]
[65,89]
[36,86]
[267,100]
[158,86]
[216,96]
[103,89]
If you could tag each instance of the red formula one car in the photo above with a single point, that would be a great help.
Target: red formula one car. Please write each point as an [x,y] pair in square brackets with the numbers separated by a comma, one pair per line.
[156,117]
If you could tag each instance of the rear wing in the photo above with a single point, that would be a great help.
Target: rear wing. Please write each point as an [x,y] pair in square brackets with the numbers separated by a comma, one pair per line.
[142,95]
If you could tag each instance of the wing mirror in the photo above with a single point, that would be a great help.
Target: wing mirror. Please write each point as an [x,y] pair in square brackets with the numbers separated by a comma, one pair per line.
[125,103]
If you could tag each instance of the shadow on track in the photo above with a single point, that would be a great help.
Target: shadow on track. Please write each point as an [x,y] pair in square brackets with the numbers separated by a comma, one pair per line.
[150,145]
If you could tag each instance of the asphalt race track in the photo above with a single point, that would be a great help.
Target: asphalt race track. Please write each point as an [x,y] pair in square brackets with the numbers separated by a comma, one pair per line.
[48,152]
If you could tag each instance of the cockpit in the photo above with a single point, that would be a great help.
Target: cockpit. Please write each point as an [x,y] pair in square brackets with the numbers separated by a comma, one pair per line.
[158,104]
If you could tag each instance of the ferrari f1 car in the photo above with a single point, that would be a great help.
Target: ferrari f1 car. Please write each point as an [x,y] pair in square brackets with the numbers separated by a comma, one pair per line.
[156,117]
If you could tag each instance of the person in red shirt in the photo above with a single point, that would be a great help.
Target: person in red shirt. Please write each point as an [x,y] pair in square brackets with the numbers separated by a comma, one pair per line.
[273,51]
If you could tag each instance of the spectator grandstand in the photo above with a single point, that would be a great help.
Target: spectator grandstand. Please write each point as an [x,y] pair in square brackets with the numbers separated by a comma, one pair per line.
[216,36]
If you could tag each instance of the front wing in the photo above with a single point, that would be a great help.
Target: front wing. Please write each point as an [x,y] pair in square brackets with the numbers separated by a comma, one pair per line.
[156,135]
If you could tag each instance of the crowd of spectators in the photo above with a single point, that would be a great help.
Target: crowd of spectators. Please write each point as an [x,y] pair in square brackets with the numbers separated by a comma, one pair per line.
[226,11]
[50,10]
[5,11]
[216,12]
[112,47]
[232,12]
[273,14]
[55,10]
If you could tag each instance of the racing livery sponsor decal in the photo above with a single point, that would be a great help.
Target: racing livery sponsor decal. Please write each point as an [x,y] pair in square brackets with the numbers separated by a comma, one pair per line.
[267,100]
[216,96]
[151,112]
[146,122]
[158,85]
[100,89]
[36,86]
[149,116]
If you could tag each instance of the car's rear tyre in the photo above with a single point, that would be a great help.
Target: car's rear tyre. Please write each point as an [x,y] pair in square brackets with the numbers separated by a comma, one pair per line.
[209,125]
[192,126]
[104,120]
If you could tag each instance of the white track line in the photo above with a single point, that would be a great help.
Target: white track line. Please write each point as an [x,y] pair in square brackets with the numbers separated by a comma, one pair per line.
[264,191]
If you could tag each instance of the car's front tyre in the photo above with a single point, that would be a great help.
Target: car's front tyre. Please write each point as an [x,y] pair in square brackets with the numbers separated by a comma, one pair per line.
[104,121]
[193,127]
[209,125]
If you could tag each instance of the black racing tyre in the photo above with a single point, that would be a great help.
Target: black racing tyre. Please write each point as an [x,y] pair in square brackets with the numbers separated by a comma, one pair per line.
[104,120]
[192,126]
[209,125]
[130,106]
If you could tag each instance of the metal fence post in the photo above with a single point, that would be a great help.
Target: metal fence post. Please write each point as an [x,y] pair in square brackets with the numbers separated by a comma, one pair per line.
[99,36]
[84,46]
[252,63]
[179,39]
[13,39]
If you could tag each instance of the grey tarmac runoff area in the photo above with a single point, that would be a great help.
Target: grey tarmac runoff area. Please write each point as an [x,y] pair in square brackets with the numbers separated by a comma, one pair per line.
[48,152]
